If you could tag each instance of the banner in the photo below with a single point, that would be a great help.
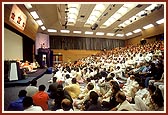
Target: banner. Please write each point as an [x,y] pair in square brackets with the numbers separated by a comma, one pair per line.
[17,17]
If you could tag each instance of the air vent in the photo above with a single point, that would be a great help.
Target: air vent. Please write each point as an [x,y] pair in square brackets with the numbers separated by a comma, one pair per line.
[82,16]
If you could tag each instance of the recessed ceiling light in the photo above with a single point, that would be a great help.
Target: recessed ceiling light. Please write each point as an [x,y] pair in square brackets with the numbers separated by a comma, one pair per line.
[137,30]
[88,32]
[28,6]
[39,22]
[160,21]
[100,33]
[148,26]
[77,32]
[52,30]
[43,27]
[110,34]
[34,14]
[65,31]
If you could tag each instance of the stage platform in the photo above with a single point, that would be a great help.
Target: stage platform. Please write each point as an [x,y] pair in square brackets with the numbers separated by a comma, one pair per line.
[27,80]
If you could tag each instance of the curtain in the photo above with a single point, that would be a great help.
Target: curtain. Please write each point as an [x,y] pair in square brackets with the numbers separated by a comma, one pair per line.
[82,43]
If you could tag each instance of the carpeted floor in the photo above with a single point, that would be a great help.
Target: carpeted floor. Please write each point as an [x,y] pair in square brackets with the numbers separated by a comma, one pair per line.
[11,93]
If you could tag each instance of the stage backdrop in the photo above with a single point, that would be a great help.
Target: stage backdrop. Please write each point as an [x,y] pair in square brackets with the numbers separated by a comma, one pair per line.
[42,40]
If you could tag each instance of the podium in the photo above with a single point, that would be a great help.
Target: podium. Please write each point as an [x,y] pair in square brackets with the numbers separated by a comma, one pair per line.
[12,71]
[44,57]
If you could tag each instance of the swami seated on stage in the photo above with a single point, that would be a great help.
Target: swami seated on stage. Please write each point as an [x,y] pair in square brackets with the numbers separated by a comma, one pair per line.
[30,67]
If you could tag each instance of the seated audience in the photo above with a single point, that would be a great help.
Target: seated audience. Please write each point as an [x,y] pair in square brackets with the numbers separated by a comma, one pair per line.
[59,95]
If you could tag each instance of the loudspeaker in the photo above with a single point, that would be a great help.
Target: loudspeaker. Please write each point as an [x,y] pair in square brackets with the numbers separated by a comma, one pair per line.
[94,26]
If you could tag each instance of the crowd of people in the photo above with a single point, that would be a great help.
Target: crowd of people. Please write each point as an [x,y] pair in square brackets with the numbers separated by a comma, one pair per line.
[122,79]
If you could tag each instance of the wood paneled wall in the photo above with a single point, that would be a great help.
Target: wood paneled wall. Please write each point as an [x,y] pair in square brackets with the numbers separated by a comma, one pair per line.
[31,25]
[74,55]
[148,35]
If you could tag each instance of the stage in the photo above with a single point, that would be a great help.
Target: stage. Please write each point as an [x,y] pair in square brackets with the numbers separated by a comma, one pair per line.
[26,81]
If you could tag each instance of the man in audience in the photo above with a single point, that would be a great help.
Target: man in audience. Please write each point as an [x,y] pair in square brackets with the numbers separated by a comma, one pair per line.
[93,103]
[123,105]
[66,105]
[17,105]
[41,98]
[29,105]
[32,89]
[73,89]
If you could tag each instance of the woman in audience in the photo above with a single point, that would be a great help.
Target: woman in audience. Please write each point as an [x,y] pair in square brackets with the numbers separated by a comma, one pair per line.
[112,102]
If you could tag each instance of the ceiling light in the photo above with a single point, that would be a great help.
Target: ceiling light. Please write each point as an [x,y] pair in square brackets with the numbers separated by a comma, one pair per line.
[73,10]
[43,27]
[108,22]
[160,21]
[39,22]
[70,5]
[120,35]
[128,34]
[34,14]
[52,30]
[71,20]
[77,32]
[65,31]
[96,13]
[110,34]
[118,14]
[137,30]
[100,33]
[72,13]
[28,6]
[148,26]
[88,32]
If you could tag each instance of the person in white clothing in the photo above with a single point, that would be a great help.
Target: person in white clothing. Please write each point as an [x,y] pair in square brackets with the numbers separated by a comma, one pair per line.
[32,89]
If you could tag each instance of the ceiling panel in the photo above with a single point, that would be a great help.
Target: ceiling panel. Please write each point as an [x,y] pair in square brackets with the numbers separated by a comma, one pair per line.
[53,16]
